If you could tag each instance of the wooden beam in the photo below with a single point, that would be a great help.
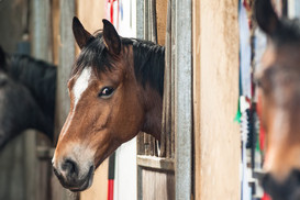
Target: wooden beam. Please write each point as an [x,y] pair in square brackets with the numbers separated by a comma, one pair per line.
[218,71]
[154,162]
[66,60]
[196,99]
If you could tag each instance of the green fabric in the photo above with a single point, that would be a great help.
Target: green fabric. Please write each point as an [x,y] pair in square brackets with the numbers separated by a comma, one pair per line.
[238,113]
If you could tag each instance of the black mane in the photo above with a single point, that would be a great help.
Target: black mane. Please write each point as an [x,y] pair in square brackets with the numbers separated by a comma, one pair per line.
[27,96]
[39,77]
[288,32]
[148,60]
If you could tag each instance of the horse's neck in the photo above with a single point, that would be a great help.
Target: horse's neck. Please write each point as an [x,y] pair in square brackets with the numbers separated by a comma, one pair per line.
[153,117]
[149,70]
[149,65]
[38,76]
[40,79]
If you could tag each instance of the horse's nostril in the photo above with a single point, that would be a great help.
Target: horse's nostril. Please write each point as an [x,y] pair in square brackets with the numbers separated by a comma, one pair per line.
[266,181]
[70,168]
[288,188]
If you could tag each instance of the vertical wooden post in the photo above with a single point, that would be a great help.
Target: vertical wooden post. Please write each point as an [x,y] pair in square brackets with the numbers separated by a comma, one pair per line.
[36,170]
[67,57]
[42,32]
[66,61]
[215,100]
[196,99]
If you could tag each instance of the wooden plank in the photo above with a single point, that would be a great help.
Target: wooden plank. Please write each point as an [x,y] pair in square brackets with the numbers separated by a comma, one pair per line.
[91,14]
[156,162]
[45,152]
[161,186]
[166,113]
[165,185]
[196,100]
[219,135]
[66,60]
[167,116]
[149,144]
[67,57]
[149,183]
[150,21]
[42,46]
[55,16]
[158,185]
[44,168]
[13,173]
[11,11]
[140,144]
[38,170]
[170,183]
[161,21]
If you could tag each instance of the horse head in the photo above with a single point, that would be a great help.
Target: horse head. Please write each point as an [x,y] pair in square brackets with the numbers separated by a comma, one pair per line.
[279,94]
[109,104]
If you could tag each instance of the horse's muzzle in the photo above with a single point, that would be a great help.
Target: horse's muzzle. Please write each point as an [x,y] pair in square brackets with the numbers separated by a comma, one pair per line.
[289,189]
[68,175]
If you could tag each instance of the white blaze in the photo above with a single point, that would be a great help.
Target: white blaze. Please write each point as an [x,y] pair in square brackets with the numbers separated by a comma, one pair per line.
[81,84]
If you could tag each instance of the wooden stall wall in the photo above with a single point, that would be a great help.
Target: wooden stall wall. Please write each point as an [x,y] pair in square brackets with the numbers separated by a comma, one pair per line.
[156,173]
[12,157]
[216,66]
[164,170]
[91,13]
[24,175]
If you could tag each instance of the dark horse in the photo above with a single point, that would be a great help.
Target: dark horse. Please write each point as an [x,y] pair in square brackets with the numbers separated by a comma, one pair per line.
[27,96]
[279,94]
[115,91]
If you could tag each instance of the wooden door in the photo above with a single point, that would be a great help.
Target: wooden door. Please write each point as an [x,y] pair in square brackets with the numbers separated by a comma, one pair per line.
[164,168]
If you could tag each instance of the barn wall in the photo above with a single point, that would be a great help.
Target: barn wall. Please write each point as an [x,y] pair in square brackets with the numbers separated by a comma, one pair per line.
[217,138]
[12,156]
[20,169]
[11,13]
[91,13]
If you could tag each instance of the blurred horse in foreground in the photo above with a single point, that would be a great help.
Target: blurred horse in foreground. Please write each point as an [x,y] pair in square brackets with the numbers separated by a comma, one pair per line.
[279,94]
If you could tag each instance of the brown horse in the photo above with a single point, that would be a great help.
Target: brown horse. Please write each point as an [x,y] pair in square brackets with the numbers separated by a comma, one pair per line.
[279,93]
[115,92]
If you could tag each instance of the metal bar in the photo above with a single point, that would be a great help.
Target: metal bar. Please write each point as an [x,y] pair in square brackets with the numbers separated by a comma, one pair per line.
[140,30]
[140,19]
[183,101]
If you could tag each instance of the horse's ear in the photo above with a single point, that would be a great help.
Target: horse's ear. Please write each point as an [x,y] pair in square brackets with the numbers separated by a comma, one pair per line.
[2,59]
[111,38]
[81,35]
[266,17]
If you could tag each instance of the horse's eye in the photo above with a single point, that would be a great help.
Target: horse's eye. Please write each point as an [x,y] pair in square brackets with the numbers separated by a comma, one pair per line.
[106,92]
